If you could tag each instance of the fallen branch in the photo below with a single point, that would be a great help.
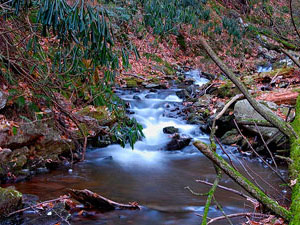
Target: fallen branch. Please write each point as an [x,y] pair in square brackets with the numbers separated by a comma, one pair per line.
[228,189]
[249,214]
[243,182]
[93,200]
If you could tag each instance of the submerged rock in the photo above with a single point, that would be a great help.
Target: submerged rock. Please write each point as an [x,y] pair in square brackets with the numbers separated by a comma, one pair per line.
[178,142]
[170,130]
[10,201]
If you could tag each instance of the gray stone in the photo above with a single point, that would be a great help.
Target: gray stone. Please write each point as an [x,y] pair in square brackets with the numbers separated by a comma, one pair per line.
[244,111]
[3,100]
[152,86]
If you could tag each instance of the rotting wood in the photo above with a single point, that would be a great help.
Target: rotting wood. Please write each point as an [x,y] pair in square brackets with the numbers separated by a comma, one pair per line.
[93,200]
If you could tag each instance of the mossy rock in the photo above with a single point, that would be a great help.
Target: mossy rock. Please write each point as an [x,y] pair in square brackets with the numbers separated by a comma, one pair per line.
[231,137]
[227,90]
[10,201]
[132,82]
[18,158]
[278,72]
[100,113]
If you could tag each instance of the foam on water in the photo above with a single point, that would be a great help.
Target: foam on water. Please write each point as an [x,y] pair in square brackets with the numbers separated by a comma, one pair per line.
[196,75]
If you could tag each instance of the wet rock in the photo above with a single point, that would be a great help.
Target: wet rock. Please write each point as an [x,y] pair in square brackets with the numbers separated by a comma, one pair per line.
[244,111]
[189,81]
[151,96]
[188,92]
[192,90]
[203,101]
[194,118]
[231,137]
[18,158]
[10,201]
[178,142]
[3,100]
[49,216]
[102,141]
[170,130]
[150,86]
[183,94]
[45,144]
[135,97]
[42,170]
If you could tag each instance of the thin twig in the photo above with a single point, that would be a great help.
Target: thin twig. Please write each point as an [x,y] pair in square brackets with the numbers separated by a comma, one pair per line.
[222,148]
[39,204]
[228,189]
[223,212]
[248,214]
[195,193]
[258,155]
[265,144]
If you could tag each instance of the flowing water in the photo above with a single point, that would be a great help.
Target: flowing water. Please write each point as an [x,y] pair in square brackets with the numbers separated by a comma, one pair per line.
[150,175]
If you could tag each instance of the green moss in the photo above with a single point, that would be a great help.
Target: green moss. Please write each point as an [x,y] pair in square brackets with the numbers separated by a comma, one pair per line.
[295,168]
[10,200]
[100,113]
[227,90]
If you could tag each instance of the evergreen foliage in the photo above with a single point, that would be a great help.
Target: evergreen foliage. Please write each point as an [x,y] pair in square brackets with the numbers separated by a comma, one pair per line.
[83,46]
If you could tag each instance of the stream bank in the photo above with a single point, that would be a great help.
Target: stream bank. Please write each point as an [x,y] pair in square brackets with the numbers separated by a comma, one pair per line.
[149,174]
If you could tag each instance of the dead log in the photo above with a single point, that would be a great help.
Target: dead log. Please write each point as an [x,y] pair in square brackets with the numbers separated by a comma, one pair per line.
[93,200]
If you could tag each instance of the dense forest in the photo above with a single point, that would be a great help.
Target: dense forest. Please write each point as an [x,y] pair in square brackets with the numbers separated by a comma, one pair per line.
[106,100]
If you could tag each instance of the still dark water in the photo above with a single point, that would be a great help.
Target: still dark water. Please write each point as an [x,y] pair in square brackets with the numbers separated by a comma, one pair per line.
[153,177]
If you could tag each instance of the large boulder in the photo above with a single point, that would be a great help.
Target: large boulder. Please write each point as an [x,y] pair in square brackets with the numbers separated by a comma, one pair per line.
[244,111]
[10,201]
[33,145]
[41,137]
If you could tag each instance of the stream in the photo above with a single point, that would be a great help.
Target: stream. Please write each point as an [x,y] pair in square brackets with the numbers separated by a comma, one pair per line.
[150,175]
